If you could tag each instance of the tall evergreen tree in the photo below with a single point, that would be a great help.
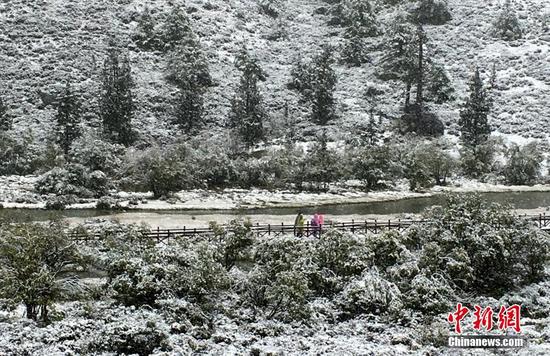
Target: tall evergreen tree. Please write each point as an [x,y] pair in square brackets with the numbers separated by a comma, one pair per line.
[474,125]
[5,122]
[176,28]
[399,61]
[324,84]
[67,119]
[247,111]
[116,101]
[360,21]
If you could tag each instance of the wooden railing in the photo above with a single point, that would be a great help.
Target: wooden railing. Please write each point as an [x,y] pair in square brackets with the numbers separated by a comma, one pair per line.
[366,226]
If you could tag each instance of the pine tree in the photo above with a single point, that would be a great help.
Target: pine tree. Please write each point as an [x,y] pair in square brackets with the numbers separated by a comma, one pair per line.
[430,12]
[67,119]
[361,23]
[190,108]
[176,28]
[247,111]
[399,61]
[507,24]
[5,122]
[323,85]
[116,101]
[473,122]
[146,37]
[438,87]
[355,50]
[360,19]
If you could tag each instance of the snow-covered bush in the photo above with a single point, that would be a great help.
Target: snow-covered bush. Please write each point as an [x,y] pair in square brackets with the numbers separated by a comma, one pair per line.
[387,248]
[136,282]
[337,257]
[271,8]
[523,165]
[73,179]
[429,294]
[235,241]
[97,155]
[37,266]
[18,155]
[370,294]
[128,331]
[507,26]
[534,300]
[376,166]
[483,246]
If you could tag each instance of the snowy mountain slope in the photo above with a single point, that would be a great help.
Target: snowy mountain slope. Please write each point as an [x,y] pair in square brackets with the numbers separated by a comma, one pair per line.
[44,43]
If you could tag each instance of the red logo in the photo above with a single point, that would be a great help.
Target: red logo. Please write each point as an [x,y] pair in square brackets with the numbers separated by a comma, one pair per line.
[483,318]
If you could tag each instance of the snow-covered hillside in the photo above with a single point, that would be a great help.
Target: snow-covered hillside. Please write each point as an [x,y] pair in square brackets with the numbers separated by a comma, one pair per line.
[45,43]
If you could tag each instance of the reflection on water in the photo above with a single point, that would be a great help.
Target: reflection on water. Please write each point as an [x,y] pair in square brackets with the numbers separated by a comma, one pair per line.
[519,200]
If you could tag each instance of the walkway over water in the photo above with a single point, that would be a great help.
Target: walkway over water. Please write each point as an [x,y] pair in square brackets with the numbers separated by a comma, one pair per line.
[373,226]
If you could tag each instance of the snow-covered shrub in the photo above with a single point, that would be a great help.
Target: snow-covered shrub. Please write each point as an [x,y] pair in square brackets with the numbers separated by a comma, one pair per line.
[429,294]
[484,246]
[18,155]
[337,256]
[534,300]
[523,164]
[430,12]
[73,179]
[59,202]
[235,241]
[375,166]
[271,8]
[30,273]
[128,331]
[507,26]
[136,282]
[162,170]
[370,294]
[97,155]
[107,203]
[387,248]
[481,161]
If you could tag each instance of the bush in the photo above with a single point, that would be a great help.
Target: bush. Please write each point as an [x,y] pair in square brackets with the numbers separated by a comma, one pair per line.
[523,165]
[370,294]
[130,332]
[429,294]
[507,26]
[73,180]
[18,155]
[375,166]
[97,155]
[30,273]
[482,247]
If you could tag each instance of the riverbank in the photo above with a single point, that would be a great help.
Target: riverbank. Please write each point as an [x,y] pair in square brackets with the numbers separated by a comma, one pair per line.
[17,193]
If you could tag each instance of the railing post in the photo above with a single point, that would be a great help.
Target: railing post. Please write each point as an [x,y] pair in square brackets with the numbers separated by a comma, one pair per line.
[352,226]
[158,233]
[389,224]
[269,229]
[307,229]
[375,226]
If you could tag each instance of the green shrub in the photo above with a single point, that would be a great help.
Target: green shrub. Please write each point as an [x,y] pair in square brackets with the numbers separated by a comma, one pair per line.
[523,165]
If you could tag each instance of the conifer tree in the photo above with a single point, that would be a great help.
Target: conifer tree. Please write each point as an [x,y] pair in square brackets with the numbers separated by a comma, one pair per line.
[116,101]
[399,61]
[323,84]
[176,28]
[247,111]
[507,24]
[5,122]
[146,37]
[67,119]
[430,12]
[361,23]
[474,126]
[438,86]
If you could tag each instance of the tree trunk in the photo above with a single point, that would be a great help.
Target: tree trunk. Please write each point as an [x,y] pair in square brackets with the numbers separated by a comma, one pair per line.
[420,73]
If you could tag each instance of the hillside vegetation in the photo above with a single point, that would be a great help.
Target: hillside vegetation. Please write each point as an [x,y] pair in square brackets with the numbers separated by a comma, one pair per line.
[45,43]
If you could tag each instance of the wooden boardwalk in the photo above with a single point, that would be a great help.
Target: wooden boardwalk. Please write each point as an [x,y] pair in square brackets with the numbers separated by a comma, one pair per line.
[275,230]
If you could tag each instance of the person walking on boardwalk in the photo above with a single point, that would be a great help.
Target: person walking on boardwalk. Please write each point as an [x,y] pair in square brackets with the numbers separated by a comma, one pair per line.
[315,225]
[299,225]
